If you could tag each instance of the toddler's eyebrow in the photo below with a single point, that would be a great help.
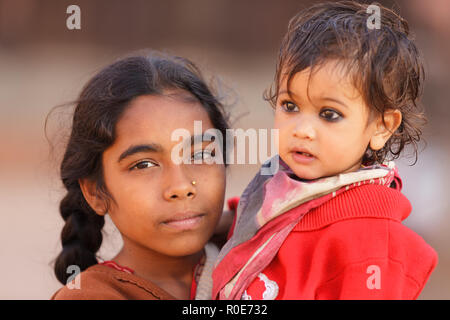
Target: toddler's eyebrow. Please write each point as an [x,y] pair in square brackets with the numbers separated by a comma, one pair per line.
[152,147]
[335,100]
[284,92]
[322,98]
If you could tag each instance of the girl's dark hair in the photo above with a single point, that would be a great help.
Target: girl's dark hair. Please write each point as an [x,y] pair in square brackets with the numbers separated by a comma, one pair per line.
[383,63]
[98,109]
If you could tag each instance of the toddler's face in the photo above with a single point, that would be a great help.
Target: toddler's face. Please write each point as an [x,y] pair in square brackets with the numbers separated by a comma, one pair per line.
[325,118]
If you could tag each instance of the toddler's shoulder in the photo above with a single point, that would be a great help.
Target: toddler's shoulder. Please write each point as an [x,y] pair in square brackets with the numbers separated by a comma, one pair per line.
[378,236]
[366,240]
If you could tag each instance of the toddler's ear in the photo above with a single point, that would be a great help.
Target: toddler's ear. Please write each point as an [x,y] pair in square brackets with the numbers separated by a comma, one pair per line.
[90,193]
[392,120]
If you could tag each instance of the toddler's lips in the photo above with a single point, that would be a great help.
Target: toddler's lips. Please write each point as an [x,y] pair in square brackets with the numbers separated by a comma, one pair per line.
[302,157]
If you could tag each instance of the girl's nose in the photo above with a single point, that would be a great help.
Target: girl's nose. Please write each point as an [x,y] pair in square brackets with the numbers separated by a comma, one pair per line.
[179,186]
[305,130]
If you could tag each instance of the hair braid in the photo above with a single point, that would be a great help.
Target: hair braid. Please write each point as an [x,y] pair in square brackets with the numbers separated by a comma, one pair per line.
[81,236]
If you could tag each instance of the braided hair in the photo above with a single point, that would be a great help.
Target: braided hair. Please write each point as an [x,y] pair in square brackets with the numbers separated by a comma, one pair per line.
[98,109]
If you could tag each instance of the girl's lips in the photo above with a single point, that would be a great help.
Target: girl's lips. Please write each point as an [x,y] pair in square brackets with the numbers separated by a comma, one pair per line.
[301,158]
[185,221]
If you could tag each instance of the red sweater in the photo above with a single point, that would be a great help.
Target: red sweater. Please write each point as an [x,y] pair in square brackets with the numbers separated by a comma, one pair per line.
[352,247]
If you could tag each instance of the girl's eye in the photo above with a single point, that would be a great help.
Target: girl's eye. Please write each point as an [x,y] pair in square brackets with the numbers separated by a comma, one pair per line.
[143,165]
[289,106]
[203,154]
[330,115]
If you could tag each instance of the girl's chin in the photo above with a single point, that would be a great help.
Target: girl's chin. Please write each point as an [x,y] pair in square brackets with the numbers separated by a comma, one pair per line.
[187,251]
[187,247]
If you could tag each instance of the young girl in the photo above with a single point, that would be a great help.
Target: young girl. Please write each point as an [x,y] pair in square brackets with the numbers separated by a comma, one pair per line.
[118,161]
[327,224]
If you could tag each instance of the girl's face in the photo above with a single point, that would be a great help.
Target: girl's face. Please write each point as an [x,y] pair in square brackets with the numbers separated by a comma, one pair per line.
[156,206]
[330,123]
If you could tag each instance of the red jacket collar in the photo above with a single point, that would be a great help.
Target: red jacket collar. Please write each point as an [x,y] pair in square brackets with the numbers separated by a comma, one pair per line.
[366,201]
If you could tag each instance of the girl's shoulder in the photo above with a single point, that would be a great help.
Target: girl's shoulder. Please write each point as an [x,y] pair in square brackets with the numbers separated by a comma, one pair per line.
[101,282]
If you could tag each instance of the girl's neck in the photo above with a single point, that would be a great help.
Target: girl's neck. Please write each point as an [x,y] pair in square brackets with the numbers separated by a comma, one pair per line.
[173,274]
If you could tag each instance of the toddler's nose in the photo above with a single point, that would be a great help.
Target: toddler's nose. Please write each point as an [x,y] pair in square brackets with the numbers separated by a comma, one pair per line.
[305,130]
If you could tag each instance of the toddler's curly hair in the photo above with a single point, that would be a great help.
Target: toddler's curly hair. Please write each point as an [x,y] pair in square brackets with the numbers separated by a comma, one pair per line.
[384,64]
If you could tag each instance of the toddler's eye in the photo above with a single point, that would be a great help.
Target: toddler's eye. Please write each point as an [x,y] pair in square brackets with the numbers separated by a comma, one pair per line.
[289,106]
[143,165]
[330,115]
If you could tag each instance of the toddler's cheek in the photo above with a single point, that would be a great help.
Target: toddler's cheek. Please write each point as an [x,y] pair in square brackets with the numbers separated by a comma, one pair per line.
[283,151]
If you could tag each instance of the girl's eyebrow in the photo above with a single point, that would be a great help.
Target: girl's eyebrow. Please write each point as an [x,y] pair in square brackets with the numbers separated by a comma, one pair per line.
[199,138]
[152,147]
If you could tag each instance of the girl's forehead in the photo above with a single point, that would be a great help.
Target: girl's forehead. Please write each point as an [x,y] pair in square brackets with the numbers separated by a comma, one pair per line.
[161,111]
[156,118]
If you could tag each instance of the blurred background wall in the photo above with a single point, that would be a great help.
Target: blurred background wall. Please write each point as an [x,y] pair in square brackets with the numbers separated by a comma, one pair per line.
[43,64]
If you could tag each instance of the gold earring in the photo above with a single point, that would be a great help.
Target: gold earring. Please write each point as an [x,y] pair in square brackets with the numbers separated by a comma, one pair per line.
[193,182]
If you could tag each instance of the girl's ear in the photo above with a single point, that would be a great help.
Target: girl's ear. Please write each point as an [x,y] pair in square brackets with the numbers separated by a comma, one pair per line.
[392,120]
[90,193]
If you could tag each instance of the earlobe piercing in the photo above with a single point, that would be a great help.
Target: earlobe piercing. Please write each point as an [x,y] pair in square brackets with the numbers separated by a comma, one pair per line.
[193,182]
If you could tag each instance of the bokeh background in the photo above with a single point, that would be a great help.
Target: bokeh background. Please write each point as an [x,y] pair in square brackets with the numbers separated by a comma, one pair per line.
[43,64]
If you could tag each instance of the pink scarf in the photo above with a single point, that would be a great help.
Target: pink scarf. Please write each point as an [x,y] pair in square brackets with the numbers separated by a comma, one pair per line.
[269,209]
